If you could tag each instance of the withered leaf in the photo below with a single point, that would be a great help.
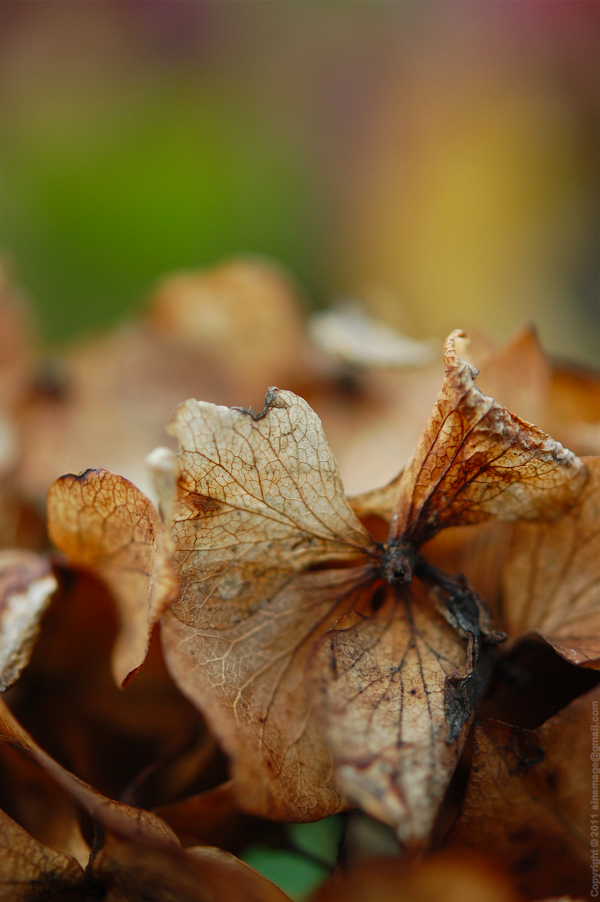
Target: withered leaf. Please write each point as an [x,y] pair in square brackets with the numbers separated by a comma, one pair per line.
[382,677]
[26,586]
[278,575]
[102,522]
[30,871]
[476,460]
[528,801]
[552,578]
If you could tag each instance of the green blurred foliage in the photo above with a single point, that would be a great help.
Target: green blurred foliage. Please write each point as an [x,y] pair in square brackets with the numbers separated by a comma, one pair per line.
[94,215]
[293,873]
[437,161]
[299,872]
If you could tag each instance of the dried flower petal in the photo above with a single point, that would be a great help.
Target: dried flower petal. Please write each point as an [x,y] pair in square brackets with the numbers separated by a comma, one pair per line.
[102,522]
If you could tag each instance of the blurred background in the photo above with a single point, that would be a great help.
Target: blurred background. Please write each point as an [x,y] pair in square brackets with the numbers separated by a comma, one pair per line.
[438,161]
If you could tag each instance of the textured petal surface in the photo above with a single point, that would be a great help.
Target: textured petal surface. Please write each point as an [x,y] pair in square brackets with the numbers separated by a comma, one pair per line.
[102,522]
[259,500]
[552,578]
[381,677]
[30,871]
[476,460]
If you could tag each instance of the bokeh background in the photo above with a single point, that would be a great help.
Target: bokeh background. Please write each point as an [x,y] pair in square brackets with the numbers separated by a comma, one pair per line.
[437,160]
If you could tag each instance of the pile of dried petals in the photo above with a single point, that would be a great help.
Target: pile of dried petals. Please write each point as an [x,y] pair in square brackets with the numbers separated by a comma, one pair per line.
[289,653]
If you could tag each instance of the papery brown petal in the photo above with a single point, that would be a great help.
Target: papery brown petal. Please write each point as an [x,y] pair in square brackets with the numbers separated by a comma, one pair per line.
[245,671]
[259,489]
[552,578]
[102,522]
[130,870]
[381,678]
[26,587]
[30,871]
[259,500]
[529,799]
[451,878]
[476,460]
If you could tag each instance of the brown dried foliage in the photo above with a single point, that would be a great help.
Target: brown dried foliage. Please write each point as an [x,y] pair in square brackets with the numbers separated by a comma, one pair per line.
[278,576]
[337,656]
[104,524]
[528,801]
[552,578]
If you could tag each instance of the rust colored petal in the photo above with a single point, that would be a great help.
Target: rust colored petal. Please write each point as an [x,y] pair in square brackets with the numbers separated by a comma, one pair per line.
[529,800]
[476,460]
[68,698]
[26,587]
[383,677]
[102,522]
[35,801]
[30,871]
[552,578]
